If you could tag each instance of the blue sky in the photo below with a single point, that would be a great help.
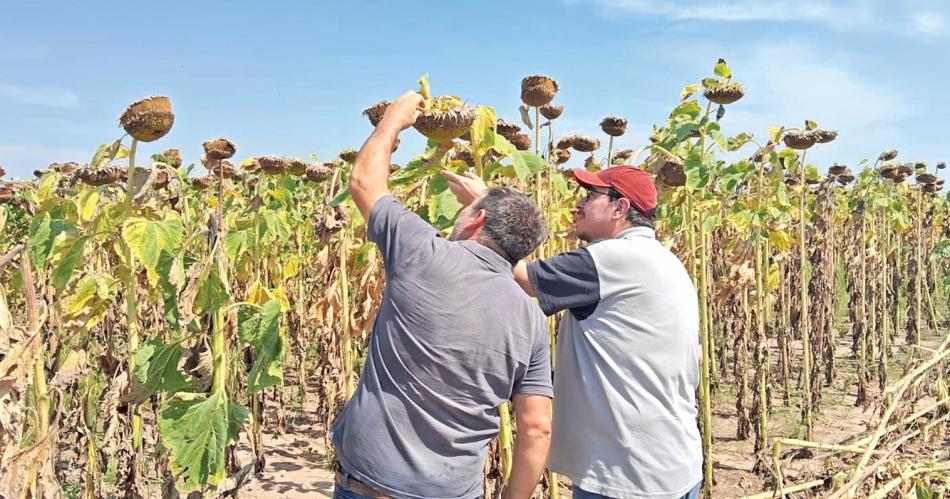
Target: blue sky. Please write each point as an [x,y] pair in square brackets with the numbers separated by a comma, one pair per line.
[290,78]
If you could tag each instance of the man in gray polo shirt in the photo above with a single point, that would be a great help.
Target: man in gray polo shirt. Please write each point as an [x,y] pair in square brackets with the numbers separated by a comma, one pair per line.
[454,338]
[627,363]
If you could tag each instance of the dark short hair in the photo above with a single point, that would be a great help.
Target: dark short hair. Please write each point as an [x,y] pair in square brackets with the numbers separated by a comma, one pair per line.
[513,223]
[635,217]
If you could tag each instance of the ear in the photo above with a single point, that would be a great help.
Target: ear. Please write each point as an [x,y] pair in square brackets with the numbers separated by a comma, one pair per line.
[478,219]
[623,206]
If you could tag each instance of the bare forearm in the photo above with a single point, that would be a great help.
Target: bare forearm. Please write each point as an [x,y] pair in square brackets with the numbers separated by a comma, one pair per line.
[369,178]
[521,277]
[530,456]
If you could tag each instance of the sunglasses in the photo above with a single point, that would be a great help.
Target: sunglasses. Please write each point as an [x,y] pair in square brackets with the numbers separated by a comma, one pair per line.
[591,193]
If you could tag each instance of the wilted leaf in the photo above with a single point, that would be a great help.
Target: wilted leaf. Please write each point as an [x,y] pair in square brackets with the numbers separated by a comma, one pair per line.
[197,428]
[780,240]
[147,239]
[259,326]
[156,370]
[66,261]
[71,369]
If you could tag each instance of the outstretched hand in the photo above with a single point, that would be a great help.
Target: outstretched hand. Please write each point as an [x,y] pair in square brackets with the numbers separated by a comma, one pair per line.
[467,187]
[403,113]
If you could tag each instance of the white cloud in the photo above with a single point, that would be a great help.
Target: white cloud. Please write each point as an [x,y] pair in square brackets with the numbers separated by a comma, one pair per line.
[929,23]
[841,14]
[21,159]
[747,10]
[39,96]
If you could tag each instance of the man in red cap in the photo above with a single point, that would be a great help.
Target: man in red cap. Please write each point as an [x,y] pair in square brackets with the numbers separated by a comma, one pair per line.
[627,363]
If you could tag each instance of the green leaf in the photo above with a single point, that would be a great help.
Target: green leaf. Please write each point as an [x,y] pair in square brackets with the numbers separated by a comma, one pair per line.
[156,370]
[697,174]
[108,152]
[810,125]
[442,205]
[340,197]
[560,184]
[259,326]
[688,90]
[169,267]
[711,222]
[688,108]
[722,70]
[424,86]
[147,239]
[43,232]
[483,130]
[67,261]
[197,428]
[212,293]
[526,163]
[47,187]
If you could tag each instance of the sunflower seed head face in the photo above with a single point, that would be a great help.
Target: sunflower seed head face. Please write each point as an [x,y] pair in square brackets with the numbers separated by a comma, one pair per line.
[613,126]
[220,148]
[148,119]
[538,90]
[376,111]
[349,155]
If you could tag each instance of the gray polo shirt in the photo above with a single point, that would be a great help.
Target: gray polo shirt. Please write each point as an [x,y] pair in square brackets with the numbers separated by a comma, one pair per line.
[454,338]
[627,367]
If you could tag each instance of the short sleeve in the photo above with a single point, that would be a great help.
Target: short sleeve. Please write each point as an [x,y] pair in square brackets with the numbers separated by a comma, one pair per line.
[566,281]
[537,377]
[402,236]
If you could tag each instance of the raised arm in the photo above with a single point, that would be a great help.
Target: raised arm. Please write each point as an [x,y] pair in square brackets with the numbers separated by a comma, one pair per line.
[369,179]
[533,419]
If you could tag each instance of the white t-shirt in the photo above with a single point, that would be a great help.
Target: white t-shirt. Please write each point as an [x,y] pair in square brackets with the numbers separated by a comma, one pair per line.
[626,369]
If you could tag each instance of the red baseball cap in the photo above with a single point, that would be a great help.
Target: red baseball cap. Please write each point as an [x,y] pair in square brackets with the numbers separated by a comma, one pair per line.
[631,182]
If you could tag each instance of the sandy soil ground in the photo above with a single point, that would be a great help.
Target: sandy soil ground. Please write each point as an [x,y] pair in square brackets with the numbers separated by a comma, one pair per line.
[297,463]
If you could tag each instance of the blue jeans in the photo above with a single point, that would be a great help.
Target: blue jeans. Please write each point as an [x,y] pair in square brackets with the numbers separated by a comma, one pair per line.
[580,493]
[341,492]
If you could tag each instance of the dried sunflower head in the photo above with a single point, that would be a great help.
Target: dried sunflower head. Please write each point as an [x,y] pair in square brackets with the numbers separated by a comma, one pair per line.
[583,143]
[318,173]
[445,118]
[561,156]
[824,136]
[888,171]
[940,166]
[507,129]
[623,154]
[837,169]
[220,148]
[272,165]
[799,139]
[538,90]
[7,193]
[565,142]
[393,168]
[296,166]
[724,93]
[926,178]
[613,126]
[376,111]
[905,169]
[349,155]
[148,119]
[173,157]
[65,168]
[888,155]
[551,111]
[202,183]
[672,173]
[845,178]
[3,171]
[108,175]
[521,141]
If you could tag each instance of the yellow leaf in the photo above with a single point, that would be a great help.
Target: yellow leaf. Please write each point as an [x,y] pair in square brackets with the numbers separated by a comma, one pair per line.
[771,279]
[280,296]
[257,294]
[291,267]
[47,187]
[780,240]
[88,201]
[3,218]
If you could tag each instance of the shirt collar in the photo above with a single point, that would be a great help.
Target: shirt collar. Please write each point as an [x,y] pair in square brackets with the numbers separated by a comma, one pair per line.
[636,232]
[494,261]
